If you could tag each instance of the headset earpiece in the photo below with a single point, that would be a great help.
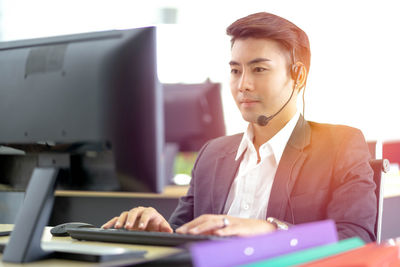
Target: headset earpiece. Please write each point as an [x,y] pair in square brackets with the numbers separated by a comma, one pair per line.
[296,72]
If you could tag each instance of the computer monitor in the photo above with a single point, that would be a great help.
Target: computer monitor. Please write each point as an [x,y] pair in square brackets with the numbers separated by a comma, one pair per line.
[193,114]
[92,92]
[74,93]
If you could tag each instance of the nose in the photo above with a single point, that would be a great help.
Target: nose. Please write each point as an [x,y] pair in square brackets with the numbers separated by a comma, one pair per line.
[245,83]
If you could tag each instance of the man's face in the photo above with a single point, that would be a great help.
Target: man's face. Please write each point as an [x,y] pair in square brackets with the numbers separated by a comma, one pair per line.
[260,82]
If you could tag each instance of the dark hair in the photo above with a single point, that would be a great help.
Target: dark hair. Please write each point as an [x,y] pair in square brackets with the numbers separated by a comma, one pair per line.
[265,25]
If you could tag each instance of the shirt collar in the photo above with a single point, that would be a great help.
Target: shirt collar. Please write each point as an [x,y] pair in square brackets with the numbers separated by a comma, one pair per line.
[277,142]
[247,141]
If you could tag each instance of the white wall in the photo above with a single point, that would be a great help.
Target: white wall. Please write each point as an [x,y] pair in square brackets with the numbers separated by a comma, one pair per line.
[355,48]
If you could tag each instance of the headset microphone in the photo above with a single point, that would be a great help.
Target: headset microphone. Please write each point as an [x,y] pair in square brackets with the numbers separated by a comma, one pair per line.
[263,120]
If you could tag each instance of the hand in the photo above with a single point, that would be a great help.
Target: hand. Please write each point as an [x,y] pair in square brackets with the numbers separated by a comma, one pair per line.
[214,225]
[140,218]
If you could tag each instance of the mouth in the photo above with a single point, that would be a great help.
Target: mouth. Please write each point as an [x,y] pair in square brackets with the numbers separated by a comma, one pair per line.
[248,102]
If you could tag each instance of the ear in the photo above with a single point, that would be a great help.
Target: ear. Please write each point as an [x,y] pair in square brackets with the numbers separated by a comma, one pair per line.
[299,75]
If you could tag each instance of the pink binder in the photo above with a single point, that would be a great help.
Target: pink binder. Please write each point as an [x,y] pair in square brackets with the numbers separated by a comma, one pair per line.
[243,250]
[370,255]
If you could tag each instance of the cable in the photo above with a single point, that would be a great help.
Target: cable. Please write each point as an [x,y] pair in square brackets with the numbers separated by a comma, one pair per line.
[298,157]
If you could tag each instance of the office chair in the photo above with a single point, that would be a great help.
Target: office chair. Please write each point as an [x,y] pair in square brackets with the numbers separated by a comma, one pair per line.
[379,166]
[391,151]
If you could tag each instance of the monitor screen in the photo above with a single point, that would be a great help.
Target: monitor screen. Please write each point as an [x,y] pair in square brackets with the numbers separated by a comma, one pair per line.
[91,92]
[193,114]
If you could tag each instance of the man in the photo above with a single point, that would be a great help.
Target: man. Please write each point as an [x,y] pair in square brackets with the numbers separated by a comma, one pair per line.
[283,170]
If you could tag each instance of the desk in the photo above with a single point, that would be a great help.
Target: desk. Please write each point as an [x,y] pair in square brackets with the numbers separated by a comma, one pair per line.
[171,191]
[153,252]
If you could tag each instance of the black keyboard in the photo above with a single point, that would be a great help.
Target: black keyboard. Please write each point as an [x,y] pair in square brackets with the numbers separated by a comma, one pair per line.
[137,237]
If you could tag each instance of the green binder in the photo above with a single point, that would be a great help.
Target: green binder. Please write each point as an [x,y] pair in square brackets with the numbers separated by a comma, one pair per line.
[310,254]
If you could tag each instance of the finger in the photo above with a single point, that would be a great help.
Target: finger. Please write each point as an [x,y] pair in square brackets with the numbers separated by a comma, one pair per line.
[110,223]
[209,222]
[155,224]
[235,231]
[132,217]
[165,227]
[148,215]
[184,229]
[206,226]
[159,224]
[227,231]
[121,220]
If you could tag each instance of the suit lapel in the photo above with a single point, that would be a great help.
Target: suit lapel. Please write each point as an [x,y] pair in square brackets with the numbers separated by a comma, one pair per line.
[225,172]
[289,167]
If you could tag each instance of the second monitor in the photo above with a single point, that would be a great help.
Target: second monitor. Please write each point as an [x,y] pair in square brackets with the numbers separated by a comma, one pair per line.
[193,114]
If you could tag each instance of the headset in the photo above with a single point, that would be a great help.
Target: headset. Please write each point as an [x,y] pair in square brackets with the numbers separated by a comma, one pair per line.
[262,120]
[296,71]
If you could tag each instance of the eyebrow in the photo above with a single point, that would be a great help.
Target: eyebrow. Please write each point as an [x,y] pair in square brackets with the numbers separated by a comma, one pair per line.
[256,60]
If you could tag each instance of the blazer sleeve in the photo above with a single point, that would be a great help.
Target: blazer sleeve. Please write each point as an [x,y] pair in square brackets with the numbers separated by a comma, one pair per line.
[353,205]
[184,212]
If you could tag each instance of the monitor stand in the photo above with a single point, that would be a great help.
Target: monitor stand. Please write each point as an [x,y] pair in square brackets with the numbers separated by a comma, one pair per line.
[24,244]
[25,240]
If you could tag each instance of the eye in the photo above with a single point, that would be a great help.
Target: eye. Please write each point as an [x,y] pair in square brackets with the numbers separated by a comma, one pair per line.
[259,69]
[234,71]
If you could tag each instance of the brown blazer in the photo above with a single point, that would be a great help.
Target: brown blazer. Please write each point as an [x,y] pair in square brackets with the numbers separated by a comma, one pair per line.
[324,169]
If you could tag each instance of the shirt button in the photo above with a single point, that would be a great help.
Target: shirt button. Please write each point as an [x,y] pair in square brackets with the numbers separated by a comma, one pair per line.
[246,207]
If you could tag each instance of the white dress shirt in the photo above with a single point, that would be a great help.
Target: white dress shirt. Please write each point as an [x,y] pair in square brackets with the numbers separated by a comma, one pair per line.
[250,191]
